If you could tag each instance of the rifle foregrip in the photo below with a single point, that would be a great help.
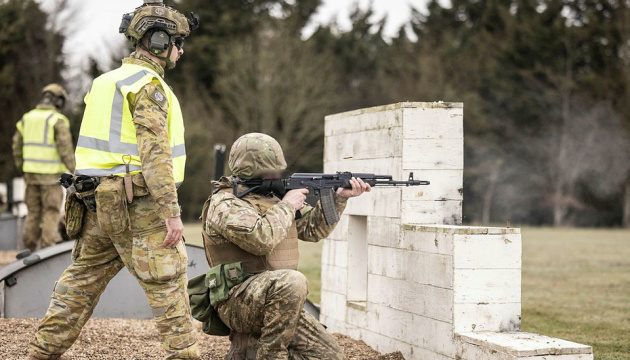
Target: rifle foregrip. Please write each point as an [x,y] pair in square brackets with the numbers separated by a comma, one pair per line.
[327,200]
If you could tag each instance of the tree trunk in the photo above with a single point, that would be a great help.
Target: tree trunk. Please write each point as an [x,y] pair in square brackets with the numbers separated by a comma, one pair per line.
[489,194]
[626,205]
[559,205]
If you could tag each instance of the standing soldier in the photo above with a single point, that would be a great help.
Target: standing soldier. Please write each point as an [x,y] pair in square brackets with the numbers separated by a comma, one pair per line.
[258,234]
[42,149]
[131,150]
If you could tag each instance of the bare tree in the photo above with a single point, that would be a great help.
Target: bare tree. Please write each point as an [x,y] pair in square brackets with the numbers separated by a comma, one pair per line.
[274,82]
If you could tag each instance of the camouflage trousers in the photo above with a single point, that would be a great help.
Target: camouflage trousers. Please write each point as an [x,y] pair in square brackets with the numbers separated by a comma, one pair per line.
[97,258]
[270,307]
[43,203]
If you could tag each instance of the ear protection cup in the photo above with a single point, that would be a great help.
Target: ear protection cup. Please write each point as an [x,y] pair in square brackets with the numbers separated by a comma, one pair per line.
[159,42]
[60,103]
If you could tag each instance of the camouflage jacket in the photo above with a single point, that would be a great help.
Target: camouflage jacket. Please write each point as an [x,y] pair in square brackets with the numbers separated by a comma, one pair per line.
[63,140]
[238,221]
[151,120]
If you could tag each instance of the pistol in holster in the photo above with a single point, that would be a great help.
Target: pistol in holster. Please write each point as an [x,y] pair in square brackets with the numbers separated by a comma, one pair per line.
[82,187]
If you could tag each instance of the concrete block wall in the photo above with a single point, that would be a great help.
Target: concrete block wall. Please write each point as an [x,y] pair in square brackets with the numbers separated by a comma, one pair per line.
[424,138]
[395,281]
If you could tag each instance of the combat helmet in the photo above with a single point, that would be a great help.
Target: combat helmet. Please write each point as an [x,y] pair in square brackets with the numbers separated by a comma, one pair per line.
[163,23]
[55,94]
[253,155]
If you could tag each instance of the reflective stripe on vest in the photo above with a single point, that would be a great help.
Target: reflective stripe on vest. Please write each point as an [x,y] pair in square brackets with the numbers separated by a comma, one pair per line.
[107,130]
[39,149]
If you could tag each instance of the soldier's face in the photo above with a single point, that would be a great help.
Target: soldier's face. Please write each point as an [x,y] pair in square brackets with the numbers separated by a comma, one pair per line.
[178,49]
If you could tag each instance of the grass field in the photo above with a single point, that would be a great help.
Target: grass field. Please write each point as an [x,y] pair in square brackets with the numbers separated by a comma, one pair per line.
[576,285]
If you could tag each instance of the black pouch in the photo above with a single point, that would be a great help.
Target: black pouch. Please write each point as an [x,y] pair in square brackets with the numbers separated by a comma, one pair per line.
[75,211]
[111,206]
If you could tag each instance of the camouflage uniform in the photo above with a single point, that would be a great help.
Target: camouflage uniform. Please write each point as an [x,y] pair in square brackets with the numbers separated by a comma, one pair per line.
[43,194]
[98,256]
[268,306]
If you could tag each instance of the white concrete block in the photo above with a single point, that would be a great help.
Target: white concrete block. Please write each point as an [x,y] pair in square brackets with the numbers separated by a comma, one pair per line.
[341,229]
[467,351]
[522,344]
[433,123]
[431,212]
[429,334]
[487,286]
[357,317]
[371,144]
[430,154]
[387,166]
[426,239]
[334,325]
[335,253]
[333,306]
[419,299]
[487,251]
[419,267]
[419,353]
[392,323]
[380,202]
[559,357]
[487,317]
[380,117]
[383,231]
[445,185]
[334,279]
[436,336]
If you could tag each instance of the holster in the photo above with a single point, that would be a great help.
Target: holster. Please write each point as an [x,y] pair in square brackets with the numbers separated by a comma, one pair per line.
[75,211]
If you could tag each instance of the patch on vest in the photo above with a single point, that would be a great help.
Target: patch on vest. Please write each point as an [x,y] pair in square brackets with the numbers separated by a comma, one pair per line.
[158,97]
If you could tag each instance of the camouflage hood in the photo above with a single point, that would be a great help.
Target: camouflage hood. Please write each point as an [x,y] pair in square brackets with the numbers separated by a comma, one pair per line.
[253,155]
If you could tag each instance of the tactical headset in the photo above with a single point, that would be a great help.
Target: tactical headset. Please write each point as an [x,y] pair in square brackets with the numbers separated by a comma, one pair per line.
[159,40]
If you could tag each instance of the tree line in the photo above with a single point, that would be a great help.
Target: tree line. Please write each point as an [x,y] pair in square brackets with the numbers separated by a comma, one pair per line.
[545,86]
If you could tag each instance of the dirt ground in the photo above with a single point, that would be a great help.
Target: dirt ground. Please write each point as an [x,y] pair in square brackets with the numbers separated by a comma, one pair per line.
[109,339]
[7,257]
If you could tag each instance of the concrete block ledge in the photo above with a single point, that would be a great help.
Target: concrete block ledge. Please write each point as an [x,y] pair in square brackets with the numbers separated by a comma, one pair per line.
[518,345]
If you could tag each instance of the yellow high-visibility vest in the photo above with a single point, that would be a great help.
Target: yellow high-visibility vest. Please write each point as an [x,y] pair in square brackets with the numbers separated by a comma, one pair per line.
[39,149]
[107,131]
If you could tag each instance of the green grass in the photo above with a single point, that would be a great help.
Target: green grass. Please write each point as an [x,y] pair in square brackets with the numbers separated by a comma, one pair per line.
[576,285]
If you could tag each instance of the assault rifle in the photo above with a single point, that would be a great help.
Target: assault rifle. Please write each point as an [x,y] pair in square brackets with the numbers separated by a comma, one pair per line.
[324,185]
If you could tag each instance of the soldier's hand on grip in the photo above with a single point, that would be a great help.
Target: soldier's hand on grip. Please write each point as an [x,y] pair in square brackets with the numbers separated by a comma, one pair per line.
[175,231]
[296,198]
[358,188]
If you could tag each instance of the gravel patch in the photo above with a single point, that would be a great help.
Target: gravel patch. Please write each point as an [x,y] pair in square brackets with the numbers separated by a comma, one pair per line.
[109,339]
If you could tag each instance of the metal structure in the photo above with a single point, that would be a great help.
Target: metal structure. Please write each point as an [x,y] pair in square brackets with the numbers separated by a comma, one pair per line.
[26,286]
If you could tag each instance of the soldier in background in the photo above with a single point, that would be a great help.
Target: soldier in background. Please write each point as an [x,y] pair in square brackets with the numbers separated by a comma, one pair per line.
[258,234]
[42,149]
[131,148]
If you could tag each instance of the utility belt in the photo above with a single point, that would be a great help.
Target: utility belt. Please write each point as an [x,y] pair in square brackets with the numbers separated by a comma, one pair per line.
[108,197]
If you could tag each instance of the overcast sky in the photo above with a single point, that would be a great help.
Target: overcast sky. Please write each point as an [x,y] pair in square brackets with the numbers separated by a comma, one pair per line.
[95,28]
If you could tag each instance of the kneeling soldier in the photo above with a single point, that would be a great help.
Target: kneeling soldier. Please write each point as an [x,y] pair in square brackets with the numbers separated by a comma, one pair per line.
[252,246]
